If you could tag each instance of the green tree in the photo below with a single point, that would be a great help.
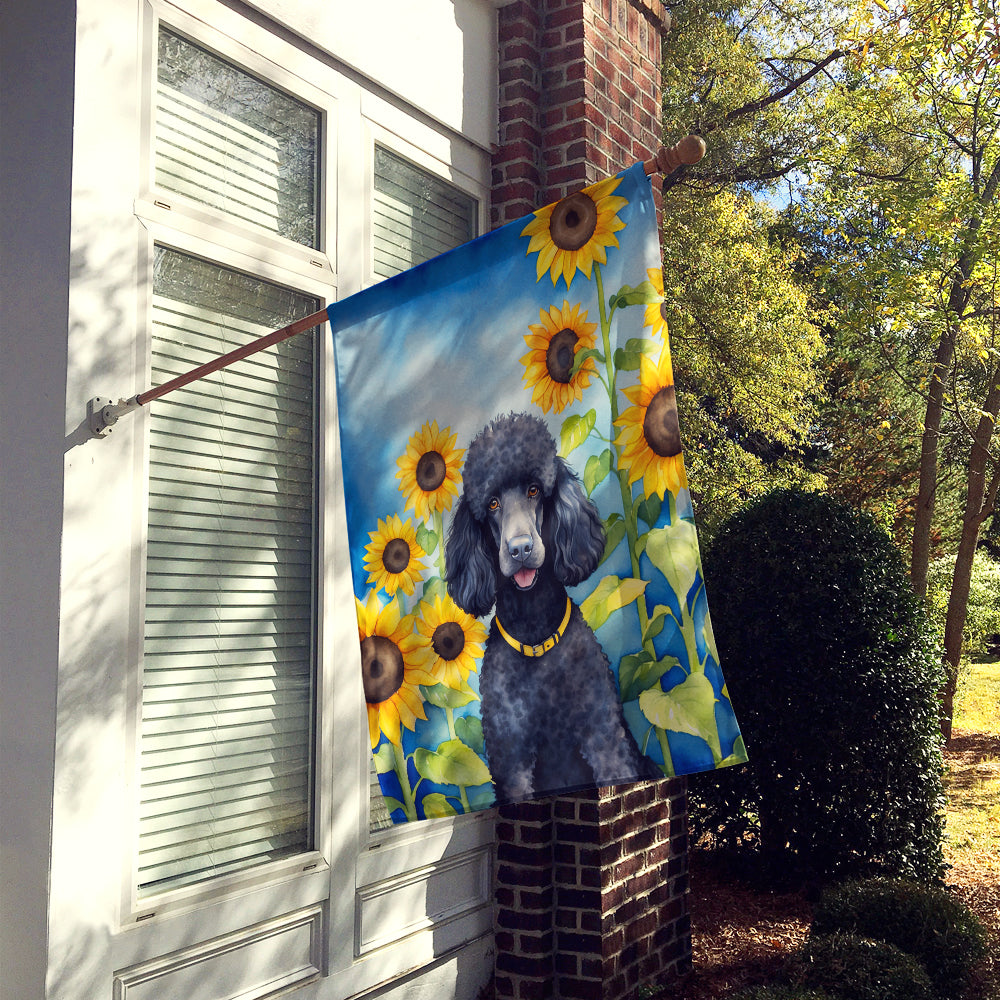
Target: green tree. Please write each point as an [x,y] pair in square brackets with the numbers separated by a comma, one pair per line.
[880,122]
[750,366]
[911,185]
[749,370]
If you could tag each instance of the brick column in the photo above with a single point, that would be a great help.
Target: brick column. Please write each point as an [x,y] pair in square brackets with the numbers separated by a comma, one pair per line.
[591,889]
[579,96]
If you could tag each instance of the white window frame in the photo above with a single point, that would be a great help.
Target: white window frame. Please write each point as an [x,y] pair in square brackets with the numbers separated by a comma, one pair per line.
[351,872]
[180,224]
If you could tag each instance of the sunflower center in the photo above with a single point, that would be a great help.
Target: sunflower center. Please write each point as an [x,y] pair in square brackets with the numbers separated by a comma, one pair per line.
[448,640]
[396,555]
[663,310]
[431,471]
[559,355]
[381,668]
[660,426]
[573,221]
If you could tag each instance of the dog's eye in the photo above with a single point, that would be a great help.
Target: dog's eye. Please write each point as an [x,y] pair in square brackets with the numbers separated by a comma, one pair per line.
[494,503]
[533,490]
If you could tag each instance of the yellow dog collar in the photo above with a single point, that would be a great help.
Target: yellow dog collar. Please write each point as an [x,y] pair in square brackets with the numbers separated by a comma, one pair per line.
[544,647]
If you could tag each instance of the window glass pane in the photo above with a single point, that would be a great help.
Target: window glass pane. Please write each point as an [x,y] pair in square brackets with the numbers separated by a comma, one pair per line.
[228,657]
[231,141]
[417,215]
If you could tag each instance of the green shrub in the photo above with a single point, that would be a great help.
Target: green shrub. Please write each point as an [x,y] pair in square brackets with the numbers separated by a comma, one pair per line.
[925,922]
[856,968]
[834,675]
[782,993]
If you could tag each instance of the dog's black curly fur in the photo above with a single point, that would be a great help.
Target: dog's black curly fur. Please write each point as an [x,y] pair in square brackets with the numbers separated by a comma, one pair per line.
[552,722]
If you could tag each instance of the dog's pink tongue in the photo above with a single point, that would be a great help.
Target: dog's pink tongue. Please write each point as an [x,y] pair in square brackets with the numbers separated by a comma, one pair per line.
[524,578]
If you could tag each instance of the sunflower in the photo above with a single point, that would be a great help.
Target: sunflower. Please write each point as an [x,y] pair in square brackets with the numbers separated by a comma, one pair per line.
[393,556]
[393,662]
[654,311]
[650,437]
[554,343]
[455,638]
[571,234]
[428,472]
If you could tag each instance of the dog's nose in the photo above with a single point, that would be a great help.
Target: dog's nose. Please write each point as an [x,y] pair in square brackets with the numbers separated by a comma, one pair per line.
[519,547]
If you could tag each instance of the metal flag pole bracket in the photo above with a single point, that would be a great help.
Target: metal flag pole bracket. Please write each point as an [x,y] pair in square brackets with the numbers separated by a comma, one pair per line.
[103,413]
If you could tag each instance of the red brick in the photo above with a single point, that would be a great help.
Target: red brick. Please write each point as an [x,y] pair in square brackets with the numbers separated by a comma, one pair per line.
[581,989]
[537,966]
[518,920]
[530,856]
[567,964]
[575,941]
[536,944]
[540,989]
[512,875]
[532,900]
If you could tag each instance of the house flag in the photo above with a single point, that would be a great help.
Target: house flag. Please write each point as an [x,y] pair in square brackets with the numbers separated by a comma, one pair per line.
[531,610]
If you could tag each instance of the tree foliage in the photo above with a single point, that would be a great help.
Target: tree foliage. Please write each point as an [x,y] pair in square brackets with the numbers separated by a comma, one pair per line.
[751,367]
[875,126]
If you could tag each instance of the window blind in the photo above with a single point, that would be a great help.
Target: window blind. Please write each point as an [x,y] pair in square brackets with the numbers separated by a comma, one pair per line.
[416,215]
[228,140]
[228,653]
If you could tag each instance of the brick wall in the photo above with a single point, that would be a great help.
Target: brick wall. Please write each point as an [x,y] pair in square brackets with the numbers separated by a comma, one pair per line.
[579,96]
[591,889]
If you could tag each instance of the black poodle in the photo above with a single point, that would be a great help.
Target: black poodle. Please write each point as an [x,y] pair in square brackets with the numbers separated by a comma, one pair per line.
[523,531]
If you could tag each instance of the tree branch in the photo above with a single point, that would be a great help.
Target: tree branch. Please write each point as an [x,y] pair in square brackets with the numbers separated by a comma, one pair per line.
[754,106]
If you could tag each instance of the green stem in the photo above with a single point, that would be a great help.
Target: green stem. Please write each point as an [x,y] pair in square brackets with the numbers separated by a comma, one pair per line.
[668,760]
[439,528]
[409,804]
[631,524]
[454,735]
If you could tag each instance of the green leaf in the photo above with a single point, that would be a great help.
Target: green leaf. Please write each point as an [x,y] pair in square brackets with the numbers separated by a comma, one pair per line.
[738,756]
[575,430]
[385,759]
[392,804]
[435,587]
[435,804]
[610,594]
[446,697]
[470,731]
[649,509]
[655,626]
[596,470]
[687,708]
[641,671]
[642,295]
[614,532]
[427,539]
[629,357]
[453,763]
[581,356]
[673,550]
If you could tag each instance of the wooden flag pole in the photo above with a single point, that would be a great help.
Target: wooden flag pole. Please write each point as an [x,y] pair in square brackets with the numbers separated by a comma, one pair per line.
[103,413]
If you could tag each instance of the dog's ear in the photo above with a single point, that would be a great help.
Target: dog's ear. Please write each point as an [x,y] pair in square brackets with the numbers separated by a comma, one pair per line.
[472,580]
[577,531]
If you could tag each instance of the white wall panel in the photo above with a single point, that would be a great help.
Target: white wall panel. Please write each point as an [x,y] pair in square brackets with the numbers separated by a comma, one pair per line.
[254,964]
[438,55]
